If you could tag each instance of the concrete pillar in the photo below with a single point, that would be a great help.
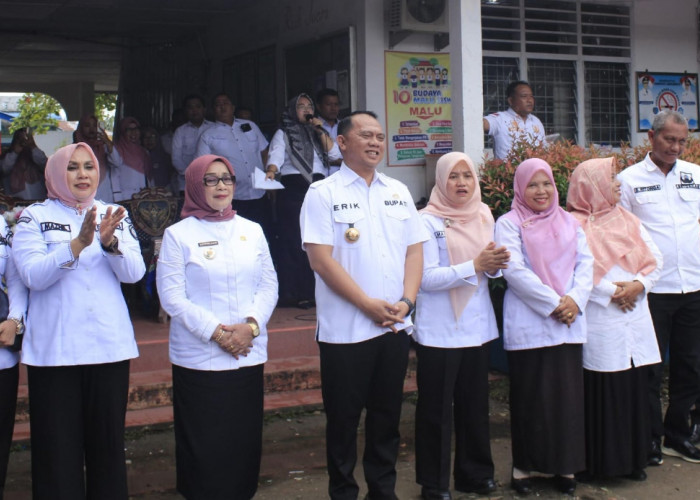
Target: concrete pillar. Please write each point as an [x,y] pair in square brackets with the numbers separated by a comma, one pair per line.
[466,76]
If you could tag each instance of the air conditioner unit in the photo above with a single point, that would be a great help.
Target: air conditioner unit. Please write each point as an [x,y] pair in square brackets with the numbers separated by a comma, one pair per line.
[419,15]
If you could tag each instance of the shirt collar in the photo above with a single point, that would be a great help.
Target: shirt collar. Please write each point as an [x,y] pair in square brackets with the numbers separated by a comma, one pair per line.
[651,166]
[516,115]
[349,176]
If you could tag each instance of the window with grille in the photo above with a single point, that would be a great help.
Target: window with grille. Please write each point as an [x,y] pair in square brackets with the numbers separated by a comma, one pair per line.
[498,72]
[555,39]
[553,83]
[607,103]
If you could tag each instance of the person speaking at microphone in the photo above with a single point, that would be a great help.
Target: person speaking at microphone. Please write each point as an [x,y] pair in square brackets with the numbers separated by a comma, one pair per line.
[301,152]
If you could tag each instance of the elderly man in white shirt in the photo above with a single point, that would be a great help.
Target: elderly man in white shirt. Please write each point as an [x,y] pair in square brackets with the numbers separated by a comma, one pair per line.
[664,192]
[364,238]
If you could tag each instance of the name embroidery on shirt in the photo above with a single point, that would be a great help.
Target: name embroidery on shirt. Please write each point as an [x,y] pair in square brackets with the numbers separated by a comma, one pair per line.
[24,219]
[391,203]
[644,189]
[346,206]
[54,226]
[439,234]
[207,243]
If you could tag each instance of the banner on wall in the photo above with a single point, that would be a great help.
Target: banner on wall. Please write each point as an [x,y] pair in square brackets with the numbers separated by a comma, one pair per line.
[418,97]
[660,91]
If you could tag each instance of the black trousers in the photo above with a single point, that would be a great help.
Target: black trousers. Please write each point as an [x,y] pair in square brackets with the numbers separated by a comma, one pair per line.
[9,378]
[218,432]
[452,381]
[77,418]
[366,375]
[293,270]
[676,320]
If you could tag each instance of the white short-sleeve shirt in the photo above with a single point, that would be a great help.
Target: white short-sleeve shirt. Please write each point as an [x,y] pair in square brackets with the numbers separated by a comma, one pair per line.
[387,221]
[508,126]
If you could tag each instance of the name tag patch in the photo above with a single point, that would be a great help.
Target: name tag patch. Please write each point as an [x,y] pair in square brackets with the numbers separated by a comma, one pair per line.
[54,226]
[644,189]
[208,243]
[439,234]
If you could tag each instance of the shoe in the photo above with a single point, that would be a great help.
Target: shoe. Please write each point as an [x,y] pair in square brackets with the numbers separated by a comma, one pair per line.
[695,435]
[435,494]
[637,475]
[521,486]
[566,485]
[684,450]
[306,304]
[655,457]
[479,486]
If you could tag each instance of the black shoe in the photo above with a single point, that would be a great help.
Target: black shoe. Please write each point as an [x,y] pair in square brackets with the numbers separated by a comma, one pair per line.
[684,450]
[306,304]
[695,435]
[637,475]
[655,457]
[521,486]
[435,494]
[478,486]
[566,485]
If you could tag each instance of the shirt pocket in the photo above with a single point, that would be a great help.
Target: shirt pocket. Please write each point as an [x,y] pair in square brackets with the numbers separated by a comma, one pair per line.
[351,229]
[648,197]
[689,195]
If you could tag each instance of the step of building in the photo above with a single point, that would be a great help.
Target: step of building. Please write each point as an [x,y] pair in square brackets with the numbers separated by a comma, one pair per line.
[292,372]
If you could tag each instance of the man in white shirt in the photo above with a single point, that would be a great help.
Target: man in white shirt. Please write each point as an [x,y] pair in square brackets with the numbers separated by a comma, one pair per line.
[328,107]
[515,124]
[186,136]
[242,143]
[364,238]
[664,192]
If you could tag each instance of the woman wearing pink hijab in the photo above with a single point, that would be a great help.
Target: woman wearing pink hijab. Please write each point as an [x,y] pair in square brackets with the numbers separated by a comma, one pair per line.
[621,340]
[73,252]
[550,276]
[134,166]
[216,279]
[454,323]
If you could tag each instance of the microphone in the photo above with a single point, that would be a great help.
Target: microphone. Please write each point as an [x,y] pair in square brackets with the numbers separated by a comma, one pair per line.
[310,117]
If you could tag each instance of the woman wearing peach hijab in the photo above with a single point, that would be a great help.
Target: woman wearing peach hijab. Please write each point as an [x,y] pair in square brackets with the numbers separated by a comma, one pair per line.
[73,252]
[454,324]
[621,340]
[549,276]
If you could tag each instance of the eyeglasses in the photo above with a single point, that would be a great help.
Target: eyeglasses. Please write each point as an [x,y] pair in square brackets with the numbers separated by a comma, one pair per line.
[212,180]
[305,107]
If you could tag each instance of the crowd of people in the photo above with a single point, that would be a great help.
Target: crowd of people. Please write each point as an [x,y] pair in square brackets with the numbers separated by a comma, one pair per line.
[596,295]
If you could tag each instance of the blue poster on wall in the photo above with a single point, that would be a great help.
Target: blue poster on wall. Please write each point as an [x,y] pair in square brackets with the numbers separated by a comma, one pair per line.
[661,91]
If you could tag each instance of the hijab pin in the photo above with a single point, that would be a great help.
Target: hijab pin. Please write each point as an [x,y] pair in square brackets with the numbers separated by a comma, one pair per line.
[448,222]
[591,218]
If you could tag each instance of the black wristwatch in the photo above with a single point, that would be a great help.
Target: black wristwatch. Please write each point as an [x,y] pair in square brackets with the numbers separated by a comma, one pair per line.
[112,247]
[409,303]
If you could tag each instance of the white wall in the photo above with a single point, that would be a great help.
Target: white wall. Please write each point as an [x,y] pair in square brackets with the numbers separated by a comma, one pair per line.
[664,39]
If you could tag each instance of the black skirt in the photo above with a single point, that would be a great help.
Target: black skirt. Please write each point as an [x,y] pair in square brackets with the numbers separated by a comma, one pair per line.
[218,432]
[546,404]
[617,421]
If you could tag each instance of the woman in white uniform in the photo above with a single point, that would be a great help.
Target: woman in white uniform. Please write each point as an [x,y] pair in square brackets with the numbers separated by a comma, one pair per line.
[454,324]
[550,276]
[10,344]
[216,280]
[73,252]
[621,341]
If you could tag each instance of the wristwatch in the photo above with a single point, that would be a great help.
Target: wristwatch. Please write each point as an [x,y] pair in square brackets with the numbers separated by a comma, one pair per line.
[409,303]
[255,327]
[20,325]
[112,247]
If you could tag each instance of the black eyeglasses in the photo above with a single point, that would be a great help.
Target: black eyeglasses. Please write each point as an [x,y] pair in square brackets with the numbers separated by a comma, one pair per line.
[212,180]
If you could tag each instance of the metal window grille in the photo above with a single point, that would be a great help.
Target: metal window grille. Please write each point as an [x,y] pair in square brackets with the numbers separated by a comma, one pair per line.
[554,86]
[498,72]
[607,103]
